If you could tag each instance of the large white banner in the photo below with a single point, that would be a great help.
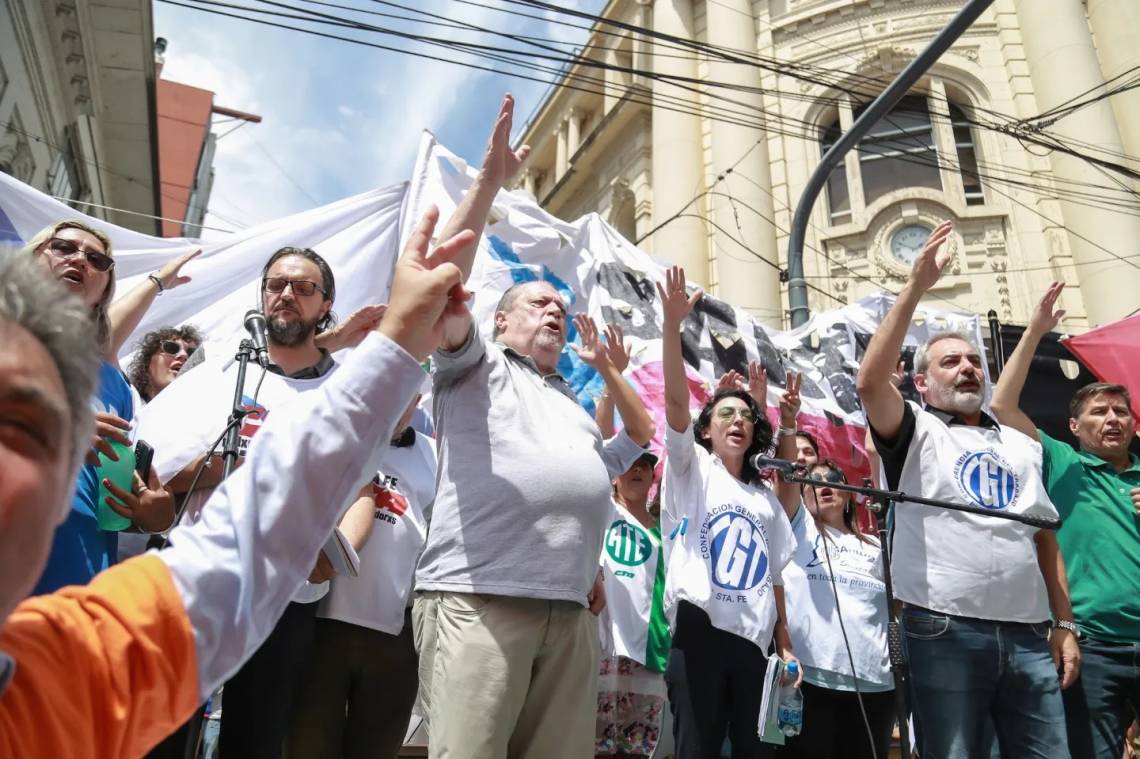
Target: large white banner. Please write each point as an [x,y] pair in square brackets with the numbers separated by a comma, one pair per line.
[605,276]
[358,236]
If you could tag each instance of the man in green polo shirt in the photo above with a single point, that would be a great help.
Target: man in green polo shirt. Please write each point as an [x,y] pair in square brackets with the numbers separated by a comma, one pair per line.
[1097,492]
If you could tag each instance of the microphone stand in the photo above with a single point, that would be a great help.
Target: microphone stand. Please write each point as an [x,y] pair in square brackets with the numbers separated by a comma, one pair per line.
[881,502]
[233,430]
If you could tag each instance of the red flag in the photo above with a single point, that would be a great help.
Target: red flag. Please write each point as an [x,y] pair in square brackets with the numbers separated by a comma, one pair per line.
[1112,353]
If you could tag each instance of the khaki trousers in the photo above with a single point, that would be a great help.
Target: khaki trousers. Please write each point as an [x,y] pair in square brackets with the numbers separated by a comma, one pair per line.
[507,677]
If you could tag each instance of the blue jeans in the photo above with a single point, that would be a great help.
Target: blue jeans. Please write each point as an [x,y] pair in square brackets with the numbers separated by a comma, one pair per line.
[1099,705]
[972,679]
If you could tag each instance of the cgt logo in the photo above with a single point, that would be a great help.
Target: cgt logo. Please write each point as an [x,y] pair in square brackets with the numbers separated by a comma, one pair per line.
[385,496]
[627,544]
[987,479]
[736,551]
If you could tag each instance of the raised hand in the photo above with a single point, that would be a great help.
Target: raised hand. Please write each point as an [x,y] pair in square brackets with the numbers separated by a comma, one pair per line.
[616,349]
[591,351]
[426,290]
[758,383]
[352,330]
[790,400]
[1044,318]
[170,275]
[500,162]
[730,380]
[676,303]
[929,265]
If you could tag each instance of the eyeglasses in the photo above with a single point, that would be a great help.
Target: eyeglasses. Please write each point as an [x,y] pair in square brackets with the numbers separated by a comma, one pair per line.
[834,476]
[728,413]
[61,248]
[173,347]
[302,287]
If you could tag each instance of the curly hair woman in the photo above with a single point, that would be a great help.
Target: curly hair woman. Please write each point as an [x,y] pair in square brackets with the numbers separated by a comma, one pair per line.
[159,358]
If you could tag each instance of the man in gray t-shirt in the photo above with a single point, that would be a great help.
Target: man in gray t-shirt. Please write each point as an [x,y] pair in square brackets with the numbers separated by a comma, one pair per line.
[509,576]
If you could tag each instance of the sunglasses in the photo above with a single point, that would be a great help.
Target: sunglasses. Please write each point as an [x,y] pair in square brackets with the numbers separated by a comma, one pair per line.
[60,248]
[302,287]
[833,476]
[173,348]
[727,413]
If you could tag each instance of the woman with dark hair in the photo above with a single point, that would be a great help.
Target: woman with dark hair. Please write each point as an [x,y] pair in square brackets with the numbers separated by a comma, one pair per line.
[159,357]
[730,543]
[838,620]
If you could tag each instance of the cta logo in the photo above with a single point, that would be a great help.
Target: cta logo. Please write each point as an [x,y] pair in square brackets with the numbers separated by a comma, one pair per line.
[627,544]
[987,479]
[735,551]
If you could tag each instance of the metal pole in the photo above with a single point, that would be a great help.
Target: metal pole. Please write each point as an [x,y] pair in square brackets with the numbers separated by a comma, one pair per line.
[995,339]
[797,285]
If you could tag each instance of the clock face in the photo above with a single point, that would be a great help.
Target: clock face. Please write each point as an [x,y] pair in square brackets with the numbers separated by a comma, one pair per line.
[907,242]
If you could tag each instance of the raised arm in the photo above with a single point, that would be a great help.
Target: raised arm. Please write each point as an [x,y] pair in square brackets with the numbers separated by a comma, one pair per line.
[638,424]
[676,305]
[259,534]
[1006,403]
[618,353]
[500,164]
[882,402]
[788,492]
[126,312]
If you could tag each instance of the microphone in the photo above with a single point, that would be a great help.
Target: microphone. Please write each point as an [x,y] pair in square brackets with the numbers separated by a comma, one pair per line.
[760,462]
[255,326]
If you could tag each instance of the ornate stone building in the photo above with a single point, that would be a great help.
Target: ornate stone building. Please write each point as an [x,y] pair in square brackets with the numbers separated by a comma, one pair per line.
[77,84]
[689,152]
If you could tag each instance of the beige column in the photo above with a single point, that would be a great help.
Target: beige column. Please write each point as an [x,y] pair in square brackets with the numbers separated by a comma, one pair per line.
[573,132]
[742,278]
[1116,28]
[678,165]
[1062,62]
[528,181]
[560,153]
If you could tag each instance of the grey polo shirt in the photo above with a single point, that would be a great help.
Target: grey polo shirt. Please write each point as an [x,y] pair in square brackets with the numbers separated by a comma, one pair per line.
[524,479]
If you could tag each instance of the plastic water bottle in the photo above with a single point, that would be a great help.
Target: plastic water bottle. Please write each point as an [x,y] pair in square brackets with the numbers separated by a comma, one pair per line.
[790,710]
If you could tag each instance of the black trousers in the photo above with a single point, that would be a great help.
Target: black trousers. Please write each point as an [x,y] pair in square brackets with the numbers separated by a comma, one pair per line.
[258,700]
[715,681]
[833,725]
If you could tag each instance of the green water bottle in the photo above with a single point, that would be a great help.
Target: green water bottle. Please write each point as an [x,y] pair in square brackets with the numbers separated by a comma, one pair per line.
[121,473]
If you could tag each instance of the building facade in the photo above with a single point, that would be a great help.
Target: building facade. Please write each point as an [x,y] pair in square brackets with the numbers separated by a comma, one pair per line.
[697,141]
[77,105]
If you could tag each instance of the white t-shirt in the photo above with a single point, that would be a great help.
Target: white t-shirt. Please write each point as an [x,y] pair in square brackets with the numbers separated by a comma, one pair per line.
[184,420]
[966,564]
[813,620]
[631,554]
[728,542]
[401,494]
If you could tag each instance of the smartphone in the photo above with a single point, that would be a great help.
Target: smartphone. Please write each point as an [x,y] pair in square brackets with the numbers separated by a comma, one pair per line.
[143,455]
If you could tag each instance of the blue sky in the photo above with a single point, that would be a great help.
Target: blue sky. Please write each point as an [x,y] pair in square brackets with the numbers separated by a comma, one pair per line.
[339,118]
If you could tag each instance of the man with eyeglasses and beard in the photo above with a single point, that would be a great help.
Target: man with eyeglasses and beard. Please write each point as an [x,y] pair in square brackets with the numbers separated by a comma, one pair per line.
[297,290]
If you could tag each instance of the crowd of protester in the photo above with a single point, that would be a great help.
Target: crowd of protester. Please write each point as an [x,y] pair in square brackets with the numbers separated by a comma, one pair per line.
[536,579]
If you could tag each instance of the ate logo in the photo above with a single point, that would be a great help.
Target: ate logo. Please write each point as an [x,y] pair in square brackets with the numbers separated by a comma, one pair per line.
[987,480]
[386,497]
[627,544]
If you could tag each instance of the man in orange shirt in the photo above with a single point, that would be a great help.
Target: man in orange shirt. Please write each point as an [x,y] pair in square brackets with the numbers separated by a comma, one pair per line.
[109,669]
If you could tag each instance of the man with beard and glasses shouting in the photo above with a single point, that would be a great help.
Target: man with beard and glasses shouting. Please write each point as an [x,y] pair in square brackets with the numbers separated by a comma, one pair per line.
[977,591]
[297,289]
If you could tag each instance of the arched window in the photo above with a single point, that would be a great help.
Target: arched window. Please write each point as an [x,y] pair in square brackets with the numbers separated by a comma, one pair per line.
[901,151]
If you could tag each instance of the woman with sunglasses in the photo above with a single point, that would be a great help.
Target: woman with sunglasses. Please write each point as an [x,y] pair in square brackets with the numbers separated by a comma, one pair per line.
[79,258]
[160,356]
[729,541]
[838,619]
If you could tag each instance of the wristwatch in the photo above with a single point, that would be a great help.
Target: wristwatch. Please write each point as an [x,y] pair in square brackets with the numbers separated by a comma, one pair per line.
[1067,624]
